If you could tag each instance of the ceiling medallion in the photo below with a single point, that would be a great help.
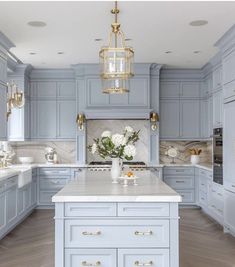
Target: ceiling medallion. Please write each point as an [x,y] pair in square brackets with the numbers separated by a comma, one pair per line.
[116,60]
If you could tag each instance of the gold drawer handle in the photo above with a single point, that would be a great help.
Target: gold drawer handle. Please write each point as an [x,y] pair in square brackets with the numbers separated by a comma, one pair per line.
[90,233]
[137,263]
[85,263]
[144,233]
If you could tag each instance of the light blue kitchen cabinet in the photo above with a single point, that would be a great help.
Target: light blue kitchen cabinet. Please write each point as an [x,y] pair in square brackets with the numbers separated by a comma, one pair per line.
[50,181]
[3,112]
[94,96]
[46,119]
[217,78]
[2,210]
[228,66]
[24,199]
[182,180]
[34,190]
[210,112]
[190,119]
[66,90]
[169,119]
[190,89]
[218,109]
[170,89]
[46,89]
[139,92]
[208,86]
[204,118]
[11,204]
[66,119]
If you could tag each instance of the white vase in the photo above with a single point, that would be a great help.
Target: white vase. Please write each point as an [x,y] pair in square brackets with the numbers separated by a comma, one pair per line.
[115,170]
[195,159]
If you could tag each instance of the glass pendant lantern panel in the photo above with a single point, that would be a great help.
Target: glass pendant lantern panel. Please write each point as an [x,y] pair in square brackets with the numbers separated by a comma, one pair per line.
[115,86]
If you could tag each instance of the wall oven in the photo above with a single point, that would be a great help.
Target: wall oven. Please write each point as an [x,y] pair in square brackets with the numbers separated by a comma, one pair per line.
[218,155]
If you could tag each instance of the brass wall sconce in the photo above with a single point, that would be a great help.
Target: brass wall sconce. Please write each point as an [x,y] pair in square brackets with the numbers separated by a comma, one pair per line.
[80,121]
[154,118]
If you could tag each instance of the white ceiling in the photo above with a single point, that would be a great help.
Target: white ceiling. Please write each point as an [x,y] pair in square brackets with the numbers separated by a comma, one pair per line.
[155,27]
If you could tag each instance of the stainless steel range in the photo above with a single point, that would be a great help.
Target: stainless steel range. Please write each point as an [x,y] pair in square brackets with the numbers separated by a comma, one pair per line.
[218,155]
[106,165]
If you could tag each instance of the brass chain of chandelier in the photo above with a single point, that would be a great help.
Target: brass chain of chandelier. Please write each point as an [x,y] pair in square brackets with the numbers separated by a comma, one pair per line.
[15,98]
[116,60]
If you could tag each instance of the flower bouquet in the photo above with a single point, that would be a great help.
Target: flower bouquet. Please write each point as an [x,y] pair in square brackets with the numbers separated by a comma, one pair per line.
[117,147]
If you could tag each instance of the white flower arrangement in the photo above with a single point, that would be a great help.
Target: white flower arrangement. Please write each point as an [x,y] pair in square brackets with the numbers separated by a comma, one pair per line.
[117,145]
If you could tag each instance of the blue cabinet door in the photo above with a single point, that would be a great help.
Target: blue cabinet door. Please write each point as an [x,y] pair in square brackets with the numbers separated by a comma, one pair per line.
[46,89]
[204,118]
[66,119]
[169,89]
[139,92]
[11,204]
[46,119]
[218,109]
[2,211]
[190,89]
[66,89]
[169,119]
[190,119]
[94,95]
[3,109]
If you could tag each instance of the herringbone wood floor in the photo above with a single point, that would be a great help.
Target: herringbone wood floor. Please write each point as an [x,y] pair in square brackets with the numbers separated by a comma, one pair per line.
[202,242]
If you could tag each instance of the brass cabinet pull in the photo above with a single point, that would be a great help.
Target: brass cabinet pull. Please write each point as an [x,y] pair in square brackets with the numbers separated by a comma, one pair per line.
[144,233]
[137,263]
[90,233]
[182,182]
[85,263]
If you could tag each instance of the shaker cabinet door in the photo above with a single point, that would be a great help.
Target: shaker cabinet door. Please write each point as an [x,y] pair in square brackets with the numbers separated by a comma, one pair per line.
[11,204]
[169,119]
[190,119]
[66,119]
[217,109]
[46,119]
[2,211]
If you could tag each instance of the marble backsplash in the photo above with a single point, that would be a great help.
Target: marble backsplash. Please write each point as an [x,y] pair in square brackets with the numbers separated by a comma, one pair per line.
[96,127]
[66,150]
[183,151]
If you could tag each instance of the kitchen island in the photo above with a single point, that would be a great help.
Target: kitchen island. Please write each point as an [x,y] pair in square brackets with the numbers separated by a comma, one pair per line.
[98,223]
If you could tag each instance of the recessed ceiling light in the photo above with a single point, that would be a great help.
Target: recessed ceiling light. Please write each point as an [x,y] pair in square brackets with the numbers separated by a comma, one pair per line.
[168,52]
[198,23]
[37,23]
[98,39]
[196,52]
[32,53]
[60,53]
[128,39]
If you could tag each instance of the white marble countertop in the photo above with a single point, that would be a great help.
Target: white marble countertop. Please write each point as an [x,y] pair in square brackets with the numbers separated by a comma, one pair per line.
[97,187]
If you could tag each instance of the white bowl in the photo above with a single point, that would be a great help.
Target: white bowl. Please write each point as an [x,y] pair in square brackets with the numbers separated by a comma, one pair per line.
[26,160]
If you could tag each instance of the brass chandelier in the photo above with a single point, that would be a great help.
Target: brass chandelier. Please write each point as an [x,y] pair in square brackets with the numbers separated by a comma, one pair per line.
[15,98]
[116,60]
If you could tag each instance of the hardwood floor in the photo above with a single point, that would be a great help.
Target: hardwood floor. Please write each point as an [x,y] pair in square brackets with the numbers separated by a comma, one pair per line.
[202,242]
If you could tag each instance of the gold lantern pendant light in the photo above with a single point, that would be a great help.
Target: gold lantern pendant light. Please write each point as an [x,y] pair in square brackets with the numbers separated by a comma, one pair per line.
[116,60]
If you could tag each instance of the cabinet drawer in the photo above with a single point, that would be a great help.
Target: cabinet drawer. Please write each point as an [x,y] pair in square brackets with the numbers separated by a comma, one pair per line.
[143,209]
[46,196]
[54,171]
[202,197]
[180,182]
[143,257]
[206,174]
[188,196]
[202,184]
[52,183]
[90,257]
[90,209]
[116,233]
[178,170]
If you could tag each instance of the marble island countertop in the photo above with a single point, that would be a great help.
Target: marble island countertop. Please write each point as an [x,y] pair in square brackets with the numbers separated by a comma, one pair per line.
[98,187]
